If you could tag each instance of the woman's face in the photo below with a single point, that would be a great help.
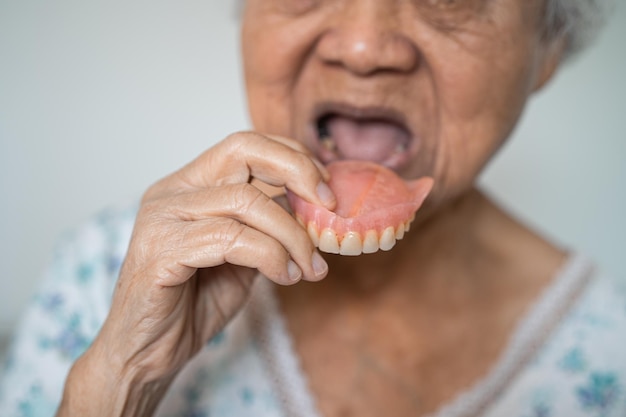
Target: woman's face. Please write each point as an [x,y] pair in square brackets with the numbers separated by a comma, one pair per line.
[426,87]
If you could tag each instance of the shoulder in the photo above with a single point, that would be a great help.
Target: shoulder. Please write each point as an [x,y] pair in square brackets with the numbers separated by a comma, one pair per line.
[604,300]
[86,260]
[85,264]
[580,370]
[595,329]
[66,312]
[597,324]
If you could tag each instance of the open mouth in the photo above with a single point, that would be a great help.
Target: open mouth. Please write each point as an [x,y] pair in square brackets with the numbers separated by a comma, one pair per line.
[376,135]
[362,147]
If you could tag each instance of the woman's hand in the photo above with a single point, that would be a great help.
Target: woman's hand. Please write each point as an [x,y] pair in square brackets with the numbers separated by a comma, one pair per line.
[200,236]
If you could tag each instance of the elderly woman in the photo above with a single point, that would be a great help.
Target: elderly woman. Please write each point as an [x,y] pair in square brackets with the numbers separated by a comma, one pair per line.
[362,110]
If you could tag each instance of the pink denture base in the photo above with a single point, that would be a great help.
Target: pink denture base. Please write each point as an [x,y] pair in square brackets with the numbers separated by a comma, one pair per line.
[370,198]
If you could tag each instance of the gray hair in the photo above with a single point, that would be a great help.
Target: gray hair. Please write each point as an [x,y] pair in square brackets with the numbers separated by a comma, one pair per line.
[576,21]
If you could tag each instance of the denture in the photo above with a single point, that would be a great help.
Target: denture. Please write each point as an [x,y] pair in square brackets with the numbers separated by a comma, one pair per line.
[374,209]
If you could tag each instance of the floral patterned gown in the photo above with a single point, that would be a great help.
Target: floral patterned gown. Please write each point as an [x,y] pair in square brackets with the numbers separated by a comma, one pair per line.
[567,357]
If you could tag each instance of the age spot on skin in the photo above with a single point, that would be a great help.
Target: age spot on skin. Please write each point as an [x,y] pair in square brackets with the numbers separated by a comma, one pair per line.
[374,209]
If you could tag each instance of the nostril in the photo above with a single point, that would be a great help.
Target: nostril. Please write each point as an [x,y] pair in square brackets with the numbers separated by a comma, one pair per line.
[366,50]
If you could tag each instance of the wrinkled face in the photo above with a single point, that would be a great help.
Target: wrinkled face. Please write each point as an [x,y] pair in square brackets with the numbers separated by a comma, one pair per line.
[426,87]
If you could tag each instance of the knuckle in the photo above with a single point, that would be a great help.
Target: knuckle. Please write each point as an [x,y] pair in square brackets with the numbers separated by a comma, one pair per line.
[150,210]
[302,164]
[184,178]
[299,147]
[151,193]
[238,141]
[305,161]
[247,197]
[230,235]
[155,228]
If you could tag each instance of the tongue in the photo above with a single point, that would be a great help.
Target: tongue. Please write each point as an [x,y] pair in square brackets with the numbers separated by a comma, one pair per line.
[368,140]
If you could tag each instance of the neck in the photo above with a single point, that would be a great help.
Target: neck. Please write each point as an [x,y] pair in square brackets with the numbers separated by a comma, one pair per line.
[446,238]
[396,319]
[466,251]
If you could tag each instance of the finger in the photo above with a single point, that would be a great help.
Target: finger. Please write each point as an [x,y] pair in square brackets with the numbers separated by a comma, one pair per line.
[299,147]
[248,205]
[214,242]
[278,162]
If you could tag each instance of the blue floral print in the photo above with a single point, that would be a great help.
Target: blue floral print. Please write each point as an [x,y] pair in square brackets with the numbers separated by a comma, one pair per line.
[578,372]
[574,361]
[600,393]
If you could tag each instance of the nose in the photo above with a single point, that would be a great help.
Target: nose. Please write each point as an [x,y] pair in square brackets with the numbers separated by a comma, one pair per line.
[367,38]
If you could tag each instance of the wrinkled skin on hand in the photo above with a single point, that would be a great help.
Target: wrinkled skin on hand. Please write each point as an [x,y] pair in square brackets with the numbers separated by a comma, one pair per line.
[200,237]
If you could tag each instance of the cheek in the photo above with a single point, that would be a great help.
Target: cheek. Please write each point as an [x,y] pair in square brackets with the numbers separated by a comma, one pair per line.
[268,109]
[491,95]
[267,84]
[274,50]
[480,102]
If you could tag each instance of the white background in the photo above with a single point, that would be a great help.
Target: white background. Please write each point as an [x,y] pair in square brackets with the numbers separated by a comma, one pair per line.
[99,99]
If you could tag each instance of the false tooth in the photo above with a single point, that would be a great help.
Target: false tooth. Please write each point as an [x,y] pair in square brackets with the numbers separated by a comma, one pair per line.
[387,239]
[313,233]
[401,147]
[351,244]
[328,144]
[400,232]
[407,224]
[370,243]
[328,241]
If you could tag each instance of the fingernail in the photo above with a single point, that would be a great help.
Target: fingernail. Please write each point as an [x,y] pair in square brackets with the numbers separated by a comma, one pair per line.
[294,271]
[326,195]
[320,267]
